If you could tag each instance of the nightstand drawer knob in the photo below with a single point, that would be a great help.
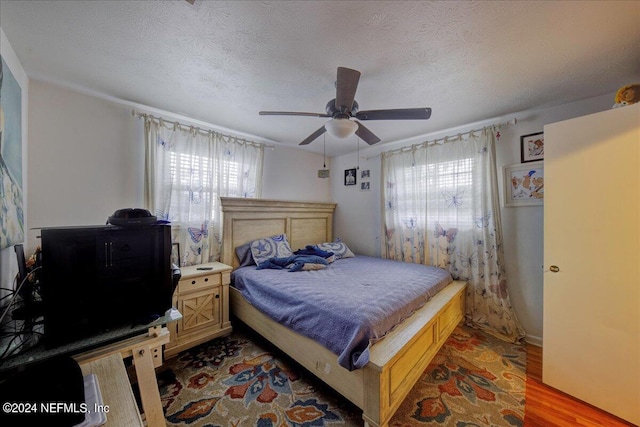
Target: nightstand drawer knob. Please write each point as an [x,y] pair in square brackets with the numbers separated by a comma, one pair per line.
[206,279]
[217,295]
[193,282]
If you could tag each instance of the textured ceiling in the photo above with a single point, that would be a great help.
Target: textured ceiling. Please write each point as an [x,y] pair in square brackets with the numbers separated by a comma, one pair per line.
[223,61]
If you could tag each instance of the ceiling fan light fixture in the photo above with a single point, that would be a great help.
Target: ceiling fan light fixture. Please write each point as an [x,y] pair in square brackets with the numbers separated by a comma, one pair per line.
[341,128]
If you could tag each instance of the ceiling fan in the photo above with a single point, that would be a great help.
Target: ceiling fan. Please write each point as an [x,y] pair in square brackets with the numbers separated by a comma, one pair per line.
[344,108]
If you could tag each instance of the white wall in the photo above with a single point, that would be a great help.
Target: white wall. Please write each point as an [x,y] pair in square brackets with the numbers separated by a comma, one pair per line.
[357,219]
[86,160]
[358,214]
[291,174]
[8,264]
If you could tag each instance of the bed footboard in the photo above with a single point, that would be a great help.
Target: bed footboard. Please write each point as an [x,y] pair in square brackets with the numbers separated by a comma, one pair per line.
[396,362]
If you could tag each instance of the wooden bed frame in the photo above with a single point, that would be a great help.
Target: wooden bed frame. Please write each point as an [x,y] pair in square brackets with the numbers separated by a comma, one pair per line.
[396,362]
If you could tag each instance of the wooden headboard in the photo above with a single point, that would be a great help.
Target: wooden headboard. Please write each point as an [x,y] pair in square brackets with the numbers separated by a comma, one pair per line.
[244,220]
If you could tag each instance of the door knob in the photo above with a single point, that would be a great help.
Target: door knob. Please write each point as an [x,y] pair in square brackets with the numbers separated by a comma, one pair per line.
[554,268]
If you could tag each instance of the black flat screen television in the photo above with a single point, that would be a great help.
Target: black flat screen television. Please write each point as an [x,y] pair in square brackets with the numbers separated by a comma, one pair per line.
[96,278]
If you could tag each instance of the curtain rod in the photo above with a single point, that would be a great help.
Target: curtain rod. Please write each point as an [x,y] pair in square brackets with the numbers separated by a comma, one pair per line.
[444,139]
[135,113]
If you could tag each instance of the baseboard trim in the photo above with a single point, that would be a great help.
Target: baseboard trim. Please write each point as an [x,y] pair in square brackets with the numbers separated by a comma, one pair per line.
[533,340]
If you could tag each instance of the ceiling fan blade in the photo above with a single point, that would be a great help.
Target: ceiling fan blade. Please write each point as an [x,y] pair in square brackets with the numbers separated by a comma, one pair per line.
[291,113]
[366,134]
[313,136]
[346,87]
[398,114]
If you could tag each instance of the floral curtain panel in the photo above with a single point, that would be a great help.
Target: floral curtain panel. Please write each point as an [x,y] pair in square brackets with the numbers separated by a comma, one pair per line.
[441,208]
[187,171]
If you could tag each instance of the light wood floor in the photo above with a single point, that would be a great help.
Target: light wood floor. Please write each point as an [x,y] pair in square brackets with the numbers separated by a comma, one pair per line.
[548,407]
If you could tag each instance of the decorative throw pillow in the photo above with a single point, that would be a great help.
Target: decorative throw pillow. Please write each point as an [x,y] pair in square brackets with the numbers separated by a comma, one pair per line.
[339,249]
[270,247]
[245,257]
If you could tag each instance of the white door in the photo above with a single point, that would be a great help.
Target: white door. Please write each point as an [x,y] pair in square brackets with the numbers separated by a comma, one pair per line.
[591,345]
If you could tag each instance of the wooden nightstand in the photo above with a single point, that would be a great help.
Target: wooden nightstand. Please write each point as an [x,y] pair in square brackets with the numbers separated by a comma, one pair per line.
[202,297]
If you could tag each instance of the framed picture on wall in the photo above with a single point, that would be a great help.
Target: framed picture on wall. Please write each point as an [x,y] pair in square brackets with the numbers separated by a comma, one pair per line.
[350,176]
[532,147]
[11,173]
[175,254]
[524,184]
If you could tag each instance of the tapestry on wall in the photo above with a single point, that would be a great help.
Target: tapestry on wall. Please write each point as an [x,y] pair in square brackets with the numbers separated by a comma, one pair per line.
[11,213]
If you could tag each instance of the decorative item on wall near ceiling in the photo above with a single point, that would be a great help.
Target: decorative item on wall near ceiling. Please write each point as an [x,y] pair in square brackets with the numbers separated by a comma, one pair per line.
[344,107]
[627,95]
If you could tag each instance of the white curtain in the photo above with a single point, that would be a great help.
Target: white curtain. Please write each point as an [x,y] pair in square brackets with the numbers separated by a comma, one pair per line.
[441,208]
[187,170]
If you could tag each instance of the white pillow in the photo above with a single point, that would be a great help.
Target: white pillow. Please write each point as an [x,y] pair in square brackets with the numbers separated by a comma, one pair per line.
[339,249]
[270,247]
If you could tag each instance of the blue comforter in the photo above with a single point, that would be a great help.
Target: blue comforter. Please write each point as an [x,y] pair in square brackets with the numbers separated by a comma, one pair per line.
[347,306]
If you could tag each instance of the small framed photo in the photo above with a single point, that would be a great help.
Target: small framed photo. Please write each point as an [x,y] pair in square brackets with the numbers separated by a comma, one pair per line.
[365,186]
[365,174]
[175,254]
[524,184]
[532,147]
[350,176]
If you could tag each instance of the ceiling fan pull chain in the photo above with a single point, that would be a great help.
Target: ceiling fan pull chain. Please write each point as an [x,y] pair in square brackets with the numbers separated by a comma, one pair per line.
[324,151]
[358,152]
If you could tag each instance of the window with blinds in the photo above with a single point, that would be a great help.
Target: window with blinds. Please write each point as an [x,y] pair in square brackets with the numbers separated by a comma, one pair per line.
[196,179]
[445,189]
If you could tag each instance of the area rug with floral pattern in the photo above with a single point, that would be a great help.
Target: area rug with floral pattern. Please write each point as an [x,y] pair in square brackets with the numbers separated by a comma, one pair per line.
[241,380]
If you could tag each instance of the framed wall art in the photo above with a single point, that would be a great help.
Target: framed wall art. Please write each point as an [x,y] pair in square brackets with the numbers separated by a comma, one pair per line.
[350,176]
[365,184]
[524,184]
[532,147]
[11,173]
[176,258]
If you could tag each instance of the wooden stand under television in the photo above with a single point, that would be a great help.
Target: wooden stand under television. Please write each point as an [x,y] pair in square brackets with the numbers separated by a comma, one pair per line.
[107,363]
[202,297]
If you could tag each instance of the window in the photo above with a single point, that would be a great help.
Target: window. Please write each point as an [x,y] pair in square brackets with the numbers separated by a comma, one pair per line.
[188,170]
[196,179]
[441,186]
